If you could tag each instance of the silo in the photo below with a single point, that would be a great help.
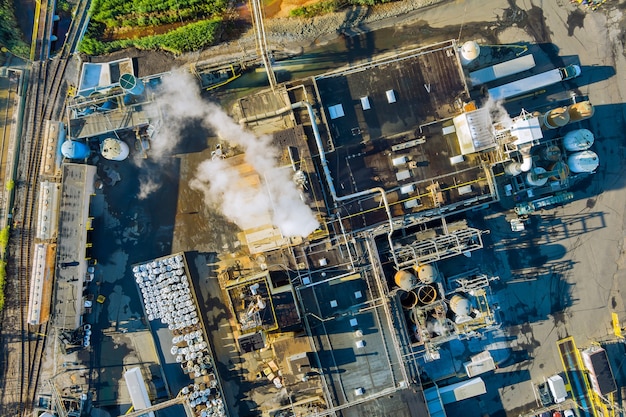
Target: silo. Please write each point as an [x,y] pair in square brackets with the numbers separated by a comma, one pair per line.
[436,327]
[408,299]
[580,111]
[426,294]
[513,169]
[460,305]
[75,150]
[559,171]
[551,153]
[584,161]
[556,118]
[131,84]
[427,273]
[469,52]
[405,280]
[578,140]
[535,177]
[114,149]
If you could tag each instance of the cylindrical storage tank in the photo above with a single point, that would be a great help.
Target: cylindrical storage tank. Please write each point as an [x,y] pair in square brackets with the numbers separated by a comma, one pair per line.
[580,111]
[427,273]
[578,140]
[75,150]
[460,305]
[426,294]
[469,52]
[560,169]
[106,105]
[551,153]
[513,169]
[114,149]
[555,118]
[405,280]
[533,179]
[434,326]
[131,84]
[585,161]
[408,299]
[128,99]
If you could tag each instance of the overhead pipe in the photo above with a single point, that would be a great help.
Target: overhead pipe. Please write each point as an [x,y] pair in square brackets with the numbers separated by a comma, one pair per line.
[324,162]
[331,185]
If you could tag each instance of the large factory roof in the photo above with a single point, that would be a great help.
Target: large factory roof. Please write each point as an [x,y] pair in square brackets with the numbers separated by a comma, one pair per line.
[353,345]
[390,126]
[76,190]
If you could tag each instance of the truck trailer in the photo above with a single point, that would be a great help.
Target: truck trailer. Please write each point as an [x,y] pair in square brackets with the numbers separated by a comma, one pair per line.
[557,388]
[534,82]
[501,70]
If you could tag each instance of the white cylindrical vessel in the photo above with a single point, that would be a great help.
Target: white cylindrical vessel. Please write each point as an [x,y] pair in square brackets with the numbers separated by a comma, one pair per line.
[585,161]
[578,140]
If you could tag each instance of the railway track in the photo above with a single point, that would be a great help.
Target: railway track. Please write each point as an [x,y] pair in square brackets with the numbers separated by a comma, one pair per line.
[45,100]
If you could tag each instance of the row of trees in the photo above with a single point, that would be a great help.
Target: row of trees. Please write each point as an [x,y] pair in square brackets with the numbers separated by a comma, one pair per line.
[191,37]
[11,36]
[198,21]
[124,13]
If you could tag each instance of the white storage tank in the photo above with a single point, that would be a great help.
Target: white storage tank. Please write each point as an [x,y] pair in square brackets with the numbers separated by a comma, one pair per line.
[535,179]
[427,273]
[405,280]
[469,52]
[584,161]
[460,305]
[578,140]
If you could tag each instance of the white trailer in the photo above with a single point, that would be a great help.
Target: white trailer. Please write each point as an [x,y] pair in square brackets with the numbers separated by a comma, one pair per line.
[501,70]
[557,388]
[534,82]
[462,390]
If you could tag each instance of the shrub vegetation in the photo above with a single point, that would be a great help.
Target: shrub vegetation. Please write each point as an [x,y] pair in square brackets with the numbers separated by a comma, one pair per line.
[118,24]
[11,36]
[330,6]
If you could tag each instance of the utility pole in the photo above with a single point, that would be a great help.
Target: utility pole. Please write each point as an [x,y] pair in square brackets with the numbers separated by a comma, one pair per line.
[259,27]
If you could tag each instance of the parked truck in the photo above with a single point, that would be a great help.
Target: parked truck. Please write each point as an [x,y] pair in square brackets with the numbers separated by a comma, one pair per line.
[534,82]
[557,388]
[501,70]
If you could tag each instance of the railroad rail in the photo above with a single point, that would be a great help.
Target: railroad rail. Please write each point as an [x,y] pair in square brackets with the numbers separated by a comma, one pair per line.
[21,362]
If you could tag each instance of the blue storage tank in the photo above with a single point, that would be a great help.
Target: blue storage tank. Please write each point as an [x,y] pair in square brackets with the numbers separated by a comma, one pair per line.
[131,84]
[75,150]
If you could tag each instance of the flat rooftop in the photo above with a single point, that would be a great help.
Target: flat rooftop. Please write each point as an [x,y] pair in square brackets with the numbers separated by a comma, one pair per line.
[351,338]
[76,189]
[389,125]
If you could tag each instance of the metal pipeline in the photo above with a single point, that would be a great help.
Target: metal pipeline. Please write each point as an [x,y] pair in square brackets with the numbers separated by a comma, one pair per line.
[329,178]
[324,162]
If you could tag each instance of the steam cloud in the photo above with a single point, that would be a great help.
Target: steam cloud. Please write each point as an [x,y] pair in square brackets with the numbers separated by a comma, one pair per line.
[223,186]
[147,186]
[498,112]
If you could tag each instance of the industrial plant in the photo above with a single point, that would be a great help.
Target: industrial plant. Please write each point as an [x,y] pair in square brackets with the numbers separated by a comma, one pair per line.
[393,159]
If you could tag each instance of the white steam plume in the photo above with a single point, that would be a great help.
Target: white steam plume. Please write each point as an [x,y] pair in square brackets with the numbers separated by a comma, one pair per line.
[498,113]
[147,186]
[277,196]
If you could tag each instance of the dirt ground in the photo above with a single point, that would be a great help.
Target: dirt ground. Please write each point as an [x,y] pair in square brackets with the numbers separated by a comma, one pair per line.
[284,34]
